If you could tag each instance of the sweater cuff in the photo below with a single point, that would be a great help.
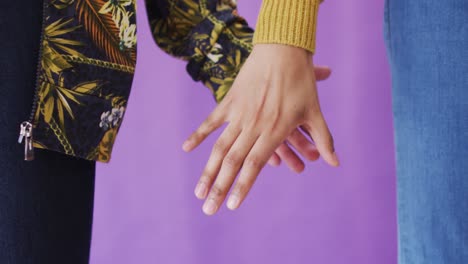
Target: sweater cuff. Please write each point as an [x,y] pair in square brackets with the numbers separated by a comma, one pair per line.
[289,22]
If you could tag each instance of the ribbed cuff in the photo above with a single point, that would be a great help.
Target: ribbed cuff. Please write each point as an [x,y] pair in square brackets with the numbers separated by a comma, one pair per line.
[289,22]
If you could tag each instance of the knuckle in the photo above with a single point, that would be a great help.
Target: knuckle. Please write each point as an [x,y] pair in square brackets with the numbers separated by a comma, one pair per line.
[241,189]
[211,122]
[208,125]
[254,162]
[219,146]
[217,191]
[197,136]
[205,179]
[201,133]
[232,159]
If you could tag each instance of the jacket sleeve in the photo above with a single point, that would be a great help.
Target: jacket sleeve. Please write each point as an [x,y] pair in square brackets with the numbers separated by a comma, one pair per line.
[209,34]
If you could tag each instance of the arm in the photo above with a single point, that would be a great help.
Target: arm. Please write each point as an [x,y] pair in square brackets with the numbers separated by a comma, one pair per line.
[216,42]
[261,107]
[208,34]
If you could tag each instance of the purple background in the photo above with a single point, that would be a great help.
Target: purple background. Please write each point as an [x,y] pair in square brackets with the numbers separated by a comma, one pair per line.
[146,212]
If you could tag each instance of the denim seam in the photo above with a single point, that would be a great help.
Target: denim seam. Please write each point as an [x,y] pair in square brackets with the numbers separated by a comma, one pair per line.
[388,28]
[401,214]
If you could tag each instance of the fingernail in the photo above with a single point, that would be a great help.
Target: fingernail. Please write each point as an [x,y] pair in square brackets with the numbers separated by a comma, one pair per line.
[209,207]
[233,202]
[335,158]
[273,163]
[200,190]
[187,145]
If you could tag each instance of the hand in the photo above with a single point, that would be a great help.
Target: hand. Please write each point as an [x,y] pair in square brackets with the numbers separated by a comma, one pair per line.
[274,94]
[298,140]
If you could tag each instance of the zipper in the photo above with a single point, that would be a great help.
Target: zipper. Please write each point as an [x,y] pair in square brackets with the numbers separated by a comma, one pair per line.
[26,127]
[26,135]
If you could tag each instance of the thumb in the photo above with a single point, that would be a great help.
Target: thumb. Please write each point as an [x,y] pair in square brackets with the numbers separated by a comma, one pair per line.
[318,130]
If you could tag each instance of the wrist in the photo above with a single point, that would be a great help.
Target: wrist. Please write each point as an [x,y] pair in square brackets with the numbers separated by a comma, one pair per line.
[281,51]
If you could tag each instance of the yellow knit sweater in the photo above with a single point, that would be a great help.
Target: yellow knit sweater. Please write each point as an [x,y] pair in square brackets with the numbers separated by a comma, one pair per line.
[290,22]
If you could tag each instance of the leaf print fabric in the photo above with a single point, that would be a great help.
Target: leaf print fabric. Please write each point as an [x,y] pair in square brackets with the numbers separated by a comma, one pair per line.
[121,17]
[89,55]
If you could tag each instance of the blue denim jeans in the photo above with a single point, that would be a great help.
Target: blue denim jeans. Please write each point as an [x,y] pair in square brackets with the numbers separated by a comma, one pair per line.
[427,43]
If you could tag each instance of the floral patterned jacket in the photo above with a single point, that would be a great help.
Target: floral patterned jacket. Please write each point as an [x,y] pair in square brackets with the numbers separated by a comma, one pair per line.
[87,60]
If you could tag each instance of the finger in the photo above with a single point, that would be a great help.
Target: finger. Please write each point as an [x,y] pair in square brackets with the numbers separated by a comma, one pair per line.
[290,158]
[253,164]
[230,167]
[318,129]
[220,148]
[212,123]
[300,142]
[322,72]
[274,160]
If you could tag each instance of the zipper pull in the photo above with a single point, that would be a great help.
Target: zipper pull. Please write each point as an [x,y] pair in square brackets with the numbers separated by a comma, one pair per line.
[26,134]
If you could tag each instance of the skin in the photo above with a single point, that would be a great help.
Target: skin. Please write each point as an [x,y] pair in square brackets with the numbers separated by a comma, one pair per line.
[272,99]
